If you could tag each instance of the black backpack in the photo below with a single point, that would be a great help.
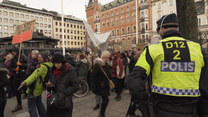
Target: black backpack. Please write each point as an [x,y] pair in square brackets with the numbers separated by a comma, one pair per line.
[44,81]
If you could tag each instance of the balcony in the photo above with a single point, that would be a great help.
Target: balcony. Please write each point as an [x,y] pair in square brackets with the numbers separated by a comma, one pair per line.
[142,19]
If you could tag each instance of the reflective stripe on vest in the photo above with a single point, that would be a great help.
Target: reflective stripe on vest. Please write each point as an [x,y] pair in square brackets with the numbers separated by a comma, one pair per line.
[178,92]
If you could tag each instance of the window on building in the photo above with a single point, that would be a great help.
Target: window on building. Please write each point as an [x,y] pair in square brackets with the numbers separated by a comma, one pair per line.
[116,12]
[41,25]
[134,17]
[103,16]
[159,16]
[0,27]
[0,19]
[6,27]
[117,31]
[122,19]
[142,14]
[112,14]
[5,20]
[36,18]
[32,17]
[5,13]
[171,2]
[199,21]
[107,15]
[134,29]
[49,20]
[11,14]
[103,25]
[0,12]
[113,33]
[45,19]
[123,32]
[49,26]
[128,18]
[122,10]
[108,24]
[27,16]
[6,34]
[112,22]
[159,5]
[134,7]
[127,8]
[21,15]
[56,29]
[146,26]
[45,25]
[71,42]
[128,30]
[117,21]
[74,26]
[0,34]
[17,22]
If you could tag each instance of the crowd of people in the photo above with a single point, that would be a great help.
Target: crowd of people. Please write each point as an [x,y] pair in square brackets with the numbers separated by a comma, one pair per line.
[24,77]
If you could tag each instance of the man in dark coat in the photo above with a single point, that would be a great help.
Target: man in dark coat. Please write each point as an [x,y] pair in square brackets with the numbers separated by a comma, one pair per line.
[3,82]
[18,69]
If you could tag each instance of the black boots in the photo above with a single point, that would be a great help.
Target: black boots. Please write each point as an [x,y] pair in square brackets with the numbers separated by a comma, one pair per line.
[96,107]
[118,97]
[17,108]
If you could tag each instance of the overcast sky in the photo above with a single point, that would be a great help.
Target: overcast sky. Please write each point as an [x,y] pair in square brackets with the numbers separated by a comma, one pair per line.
[71,7]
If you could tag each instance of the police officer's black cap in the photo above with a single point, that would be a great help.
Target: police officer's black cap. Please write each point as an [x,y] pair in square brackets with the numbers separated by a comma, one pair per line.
[167,21]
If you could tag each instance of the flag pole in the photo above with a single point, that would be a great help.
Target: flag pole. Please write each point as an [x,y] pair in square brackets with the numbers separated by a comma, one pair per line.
[62,20]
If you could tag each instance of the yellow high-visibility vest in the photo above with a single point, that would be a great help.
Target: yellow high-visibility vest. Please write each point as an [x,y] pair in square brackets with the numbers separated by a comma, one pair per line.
[176,69]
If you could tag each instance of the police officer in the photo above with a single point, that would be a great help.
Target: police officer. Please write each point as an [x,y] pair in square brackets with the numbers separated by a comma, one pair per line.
[176,66]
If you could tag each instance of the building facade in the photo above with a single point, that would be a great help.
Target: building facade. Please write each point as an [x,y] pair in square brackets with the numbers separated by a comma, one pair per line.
[13,14]
[163,7]
[74,31]
[119,17]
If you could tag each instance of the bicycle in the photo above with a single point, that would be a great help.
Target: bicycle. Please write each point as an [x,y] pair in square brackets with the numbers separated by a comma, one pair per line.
[84,88]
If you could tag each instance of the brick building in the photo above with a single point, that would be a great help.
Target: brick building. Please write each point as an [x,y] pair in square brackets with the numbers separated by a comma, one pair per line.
[119,17]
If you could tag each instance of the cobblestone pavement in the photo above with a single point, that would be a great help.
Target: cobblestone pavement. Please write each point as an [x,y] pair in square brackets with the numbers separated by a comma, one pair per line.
[83,107]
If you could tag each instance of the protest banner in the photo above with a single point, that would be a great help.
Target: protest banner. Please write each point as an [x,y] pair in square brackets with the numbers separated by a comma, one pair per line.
[126,44]
[23,32]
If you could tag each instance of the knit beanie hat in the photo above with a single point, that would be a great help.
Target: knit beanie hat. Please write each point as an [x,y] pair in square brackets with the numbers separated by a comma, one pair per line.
[167,21]
[58,58]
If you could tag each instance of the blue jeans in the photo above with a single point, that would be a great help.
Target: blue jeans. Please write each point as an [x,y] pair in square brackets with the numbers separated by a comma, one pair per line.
[35,104]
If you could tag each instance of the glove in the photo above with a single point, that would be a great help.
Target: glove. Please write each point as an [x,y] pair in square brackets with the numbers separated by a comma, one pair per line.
[19,64]
[17,69]
[38,66]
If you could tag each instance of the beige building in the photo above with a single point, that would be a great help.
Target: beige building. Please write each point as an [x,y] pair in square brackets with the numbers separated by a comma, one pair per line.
[74,31]
[13,14]
[163,7]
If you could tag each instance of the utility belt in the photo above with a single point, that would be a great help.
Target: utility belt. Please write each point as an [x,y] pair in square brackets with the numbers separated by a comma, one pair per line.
[182,109]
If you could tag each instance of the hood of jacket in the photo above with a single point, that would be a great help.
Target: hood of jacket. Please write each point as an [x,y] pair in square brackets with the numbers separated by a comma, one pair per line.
[4,70]
[100,61]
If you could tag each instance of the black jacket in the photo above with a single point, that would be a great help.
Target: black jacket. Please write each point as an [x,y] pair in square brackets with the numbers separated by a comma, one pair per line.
[99,82]
[67,84]
[3,82]
[22,68]
[136,81]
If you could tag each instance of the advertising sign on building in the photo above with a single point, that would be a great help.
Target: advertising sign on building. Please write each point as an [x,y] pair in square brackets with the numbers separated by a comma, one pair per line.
[23,32]
[127,45]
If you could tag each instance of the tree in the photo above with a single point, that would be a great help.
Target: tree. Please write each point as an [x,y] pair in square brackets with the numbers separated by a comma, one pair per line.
[187,17]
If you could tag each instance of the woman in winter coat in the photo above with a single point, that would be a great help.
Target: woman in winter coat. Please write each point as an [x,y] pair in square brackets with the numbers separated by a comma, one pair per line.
[10,76]
[99,80]
[35,102]
[64,82]
[117,61]
[3,83]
